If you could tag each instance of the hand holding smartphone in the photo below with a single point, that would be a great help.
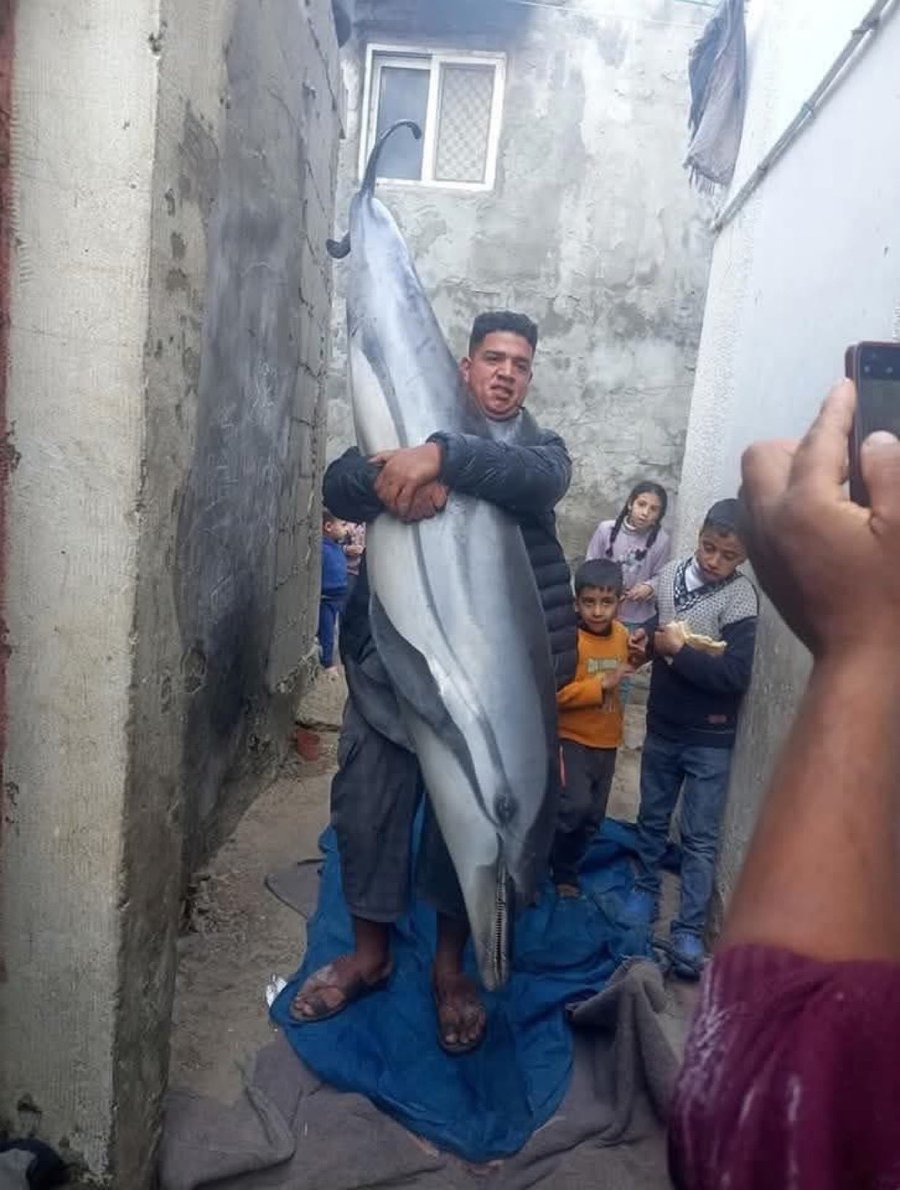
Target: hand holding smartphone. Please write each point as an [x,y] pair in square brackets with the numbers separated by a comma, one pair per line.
[875,370]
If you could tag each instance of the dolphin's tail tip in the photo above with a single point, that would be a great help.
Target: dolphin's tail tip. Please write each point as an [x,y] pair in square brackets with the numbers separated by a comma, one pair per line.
[338,249]
[371,173]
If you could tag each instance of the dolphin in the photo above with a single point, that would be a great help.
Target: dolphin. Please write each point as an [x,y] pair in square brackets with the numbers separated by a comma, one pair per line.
[456,614]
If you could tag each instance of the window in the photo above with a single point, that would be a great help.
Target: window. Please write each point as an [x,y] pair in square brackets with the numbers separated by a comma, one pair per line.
[456,99]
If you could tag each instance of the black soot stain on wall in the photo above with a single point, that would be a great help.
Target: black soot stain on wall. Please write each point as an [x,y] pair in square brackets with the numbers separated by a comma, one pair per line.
[227,530]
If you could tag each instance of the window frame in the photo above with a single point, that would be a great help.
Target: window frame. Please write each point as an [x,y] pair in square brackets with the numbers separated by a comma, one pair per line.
[394,55]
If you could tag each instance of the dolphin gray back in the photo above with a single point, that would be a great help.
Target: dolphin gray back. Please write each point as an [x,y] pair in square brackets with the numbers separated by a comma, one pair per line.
[390,323]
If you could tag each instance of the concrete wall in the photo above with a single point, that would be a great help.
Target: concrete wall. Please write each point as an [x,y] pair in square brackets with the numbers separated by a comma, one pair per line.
[172,175]
[239,323]
[591,227]
[82,175]
[810,265]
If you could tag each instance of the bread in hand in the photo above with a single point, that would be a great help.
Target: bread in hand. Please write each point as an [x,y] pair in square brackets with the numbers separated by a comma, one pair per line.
[697,640]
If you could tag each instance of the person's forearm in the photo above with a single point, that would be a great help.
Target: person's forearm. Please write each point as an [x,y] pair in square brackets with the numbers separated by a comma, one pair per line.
[515,477]
[348,489]
[584,692]
[727,673]
[822,875]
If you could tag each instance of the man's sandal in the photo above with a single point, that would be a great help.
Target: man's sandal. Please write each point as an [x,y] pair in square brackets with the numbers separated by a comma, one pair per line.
[443,996]
[326,977]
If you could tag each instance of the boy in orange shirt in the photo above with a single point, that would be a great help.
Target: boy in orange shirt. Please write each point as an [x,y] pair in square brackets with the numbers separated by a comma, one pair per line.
[590,718]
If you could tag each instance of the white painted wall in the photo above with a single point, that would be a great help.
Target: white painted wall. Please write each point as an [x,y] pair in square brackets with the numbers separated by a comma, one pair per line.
[84,98]
[810,265]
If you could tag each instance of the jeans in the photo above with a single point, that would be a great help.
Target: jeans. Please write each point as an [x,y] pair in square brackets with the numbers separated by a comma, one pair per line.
[329,611]
[667,769]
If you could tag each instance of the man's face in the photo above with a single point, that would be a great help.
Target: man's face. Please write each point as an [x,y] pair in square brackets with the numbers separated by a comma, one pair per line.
[719,554]
[498,374]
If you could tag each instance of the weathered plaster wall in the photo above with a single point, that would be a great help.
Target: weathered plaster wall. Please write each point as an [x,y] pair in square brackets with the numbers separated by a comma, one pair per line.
[810,265]
[170,312]
[591,228]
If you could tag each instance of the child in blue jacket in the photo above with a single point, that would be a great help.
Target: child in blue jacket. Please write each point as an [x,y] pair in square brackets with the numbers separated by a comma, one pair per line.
[334,584]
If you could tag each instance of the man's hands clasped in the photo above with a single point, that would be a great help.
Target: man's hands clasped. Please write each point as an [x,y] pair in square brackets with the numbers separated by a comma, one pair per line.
[407,483]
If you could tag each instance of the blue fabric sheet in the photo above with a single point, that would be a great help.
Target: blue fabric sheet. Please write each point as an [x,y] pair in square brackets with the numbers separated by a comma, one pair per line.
[488,1103]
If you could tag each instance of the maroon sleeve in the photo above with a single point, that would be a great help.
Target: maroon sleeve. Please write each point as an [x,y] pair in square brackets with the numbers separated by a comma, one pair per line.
[791,1076]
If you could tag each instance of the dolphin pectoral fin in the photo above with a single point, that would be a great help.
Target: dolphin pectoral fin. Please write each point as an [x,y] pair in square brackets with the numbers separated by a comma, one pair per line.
[416,688]
[338,249]
[409,673]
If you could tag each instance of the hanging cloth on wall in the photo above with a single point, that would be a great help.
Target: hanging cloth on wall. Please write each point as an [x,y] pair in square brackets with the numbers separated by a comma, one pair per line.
[718,78]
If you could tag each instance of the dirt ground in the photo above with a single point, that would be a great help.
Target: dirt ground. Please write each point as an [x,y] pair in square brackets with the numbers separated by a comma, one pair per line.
[239,935]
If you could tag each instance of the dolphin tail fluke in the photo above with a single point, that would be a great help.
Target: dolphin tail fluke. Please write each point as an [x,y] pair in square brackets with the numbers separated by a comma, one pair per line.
[371,174]
[338,249]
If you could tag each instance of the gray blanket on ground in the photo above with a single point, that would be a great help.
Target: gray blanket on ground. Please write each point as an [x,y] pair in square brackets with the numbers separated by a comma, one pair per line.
[289,1131]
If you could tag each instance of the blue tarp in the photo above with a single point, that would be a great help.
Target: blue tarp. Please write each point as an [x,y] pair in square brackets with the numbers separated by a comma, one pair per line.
[487,1103]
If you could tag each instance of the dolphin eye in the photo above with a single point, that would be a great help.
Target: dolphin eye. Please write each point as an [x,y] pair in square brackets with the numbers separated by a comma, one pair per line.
[505,808]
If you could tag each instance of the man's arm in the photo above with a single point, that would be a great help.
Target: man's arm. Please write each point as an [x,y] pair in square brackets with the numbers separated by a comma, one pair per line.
[530,478]
[351,491]
[802,997]
[348,488]
[723,673]
[822,872]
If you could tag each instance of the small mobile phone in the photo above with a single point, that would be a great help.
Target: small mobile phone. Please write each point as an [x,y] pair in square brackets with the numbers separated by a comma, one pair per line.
[875,370]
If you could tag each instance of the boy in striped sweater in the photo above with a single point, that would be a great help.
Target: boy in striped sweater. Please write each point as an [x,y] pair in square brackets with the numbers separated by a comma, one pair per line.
[702,650]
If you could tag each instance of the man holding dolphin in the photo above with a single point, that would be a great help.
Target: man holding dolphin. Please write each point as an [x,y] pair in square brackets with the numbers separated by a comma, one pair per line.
[377,789]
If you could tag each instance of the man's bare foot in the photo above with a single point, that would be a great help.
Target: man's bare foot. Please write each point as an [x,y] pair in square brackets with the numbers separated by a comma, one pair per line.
[567,891]
[333,987]
[460,1012]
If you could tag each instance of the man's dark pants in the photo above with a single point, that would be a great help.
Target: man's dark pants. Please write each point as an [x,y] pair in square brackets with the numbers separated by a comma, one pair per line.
[375,796]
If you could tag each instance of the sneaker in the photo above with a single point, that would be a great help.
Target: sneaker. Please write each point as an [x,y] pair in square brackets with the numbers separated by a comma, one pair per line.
[686,954]
[639,908]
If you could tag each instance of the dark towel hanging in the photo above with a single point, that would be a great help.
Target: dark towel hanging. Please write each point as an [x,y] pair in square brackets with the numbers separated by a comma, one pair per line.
[718,78]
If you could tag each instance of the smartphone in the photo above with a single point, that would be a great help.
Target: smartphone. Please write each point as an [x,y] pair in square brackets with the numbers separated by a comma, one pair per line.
[875,370]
